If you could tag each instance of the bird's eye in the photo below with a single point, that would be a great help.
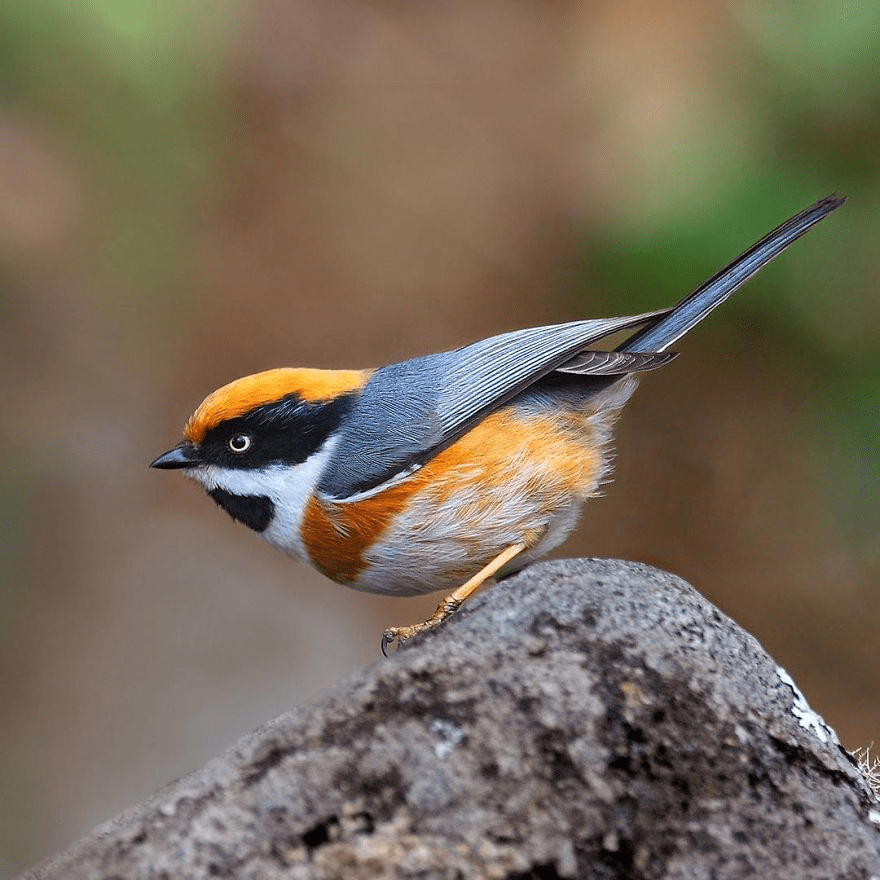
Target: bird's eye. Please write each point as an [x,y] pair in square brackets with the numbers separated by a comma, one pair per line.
[239,443]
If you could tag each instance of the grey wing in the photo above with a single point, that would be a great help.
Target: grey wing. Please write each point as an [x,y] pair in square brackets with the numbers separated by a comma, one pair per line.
[411,410]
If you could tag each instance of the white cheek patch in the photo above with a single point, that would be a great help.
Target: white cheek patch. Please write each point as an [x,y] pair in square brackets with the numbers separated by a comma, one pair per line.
[288,486]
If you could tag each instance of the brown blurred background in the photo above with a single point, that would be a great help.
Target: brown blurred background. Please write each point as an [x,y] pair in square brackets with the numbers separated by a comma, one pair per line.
[190,192]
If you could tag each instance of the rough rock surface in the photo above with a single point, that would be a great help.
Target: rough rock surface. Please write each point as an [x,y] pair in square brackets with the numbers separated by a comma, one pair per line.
[585,718]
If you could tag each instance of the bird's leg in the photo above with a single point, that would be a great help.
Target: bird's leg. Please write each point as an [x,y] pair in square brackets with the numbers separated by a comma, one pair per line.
[452,602]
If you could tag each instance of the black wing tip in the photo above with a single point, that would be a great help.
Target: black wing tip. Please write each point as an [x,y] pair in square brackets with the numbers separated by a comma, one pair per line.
[711,293]
[830,203]
[803,220]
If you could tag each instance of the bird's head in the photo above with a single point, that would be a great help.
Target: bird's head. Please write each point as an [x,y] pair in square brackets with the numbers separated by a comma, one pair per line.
[259,444]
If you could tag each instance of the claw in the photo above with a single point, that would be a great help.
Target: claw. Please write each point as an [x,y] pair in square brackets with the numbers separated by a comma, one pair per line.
[398,635]
[388,639]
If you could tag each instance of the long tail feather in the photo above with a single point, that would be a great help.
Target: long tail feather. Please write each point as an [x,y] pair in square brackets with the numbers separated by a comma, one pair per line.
[694,307]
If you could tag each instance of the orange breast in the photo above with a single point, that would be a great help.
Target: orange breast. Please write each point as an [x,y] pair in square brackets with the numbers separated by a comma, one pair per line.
[534,463]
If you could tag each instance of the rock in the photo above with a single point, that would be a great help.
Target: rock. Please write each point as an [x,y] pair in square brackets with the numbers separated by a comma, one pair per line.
[585,718]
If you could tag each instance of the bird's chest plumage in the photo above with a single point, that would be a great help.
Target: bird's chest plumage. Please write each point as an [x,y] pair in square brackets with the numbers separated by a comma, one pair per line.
[516,477]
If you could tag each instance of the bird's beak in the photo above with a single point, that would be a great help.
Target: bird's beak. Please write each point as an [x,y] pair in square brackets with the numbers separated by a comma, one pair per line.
[184,455]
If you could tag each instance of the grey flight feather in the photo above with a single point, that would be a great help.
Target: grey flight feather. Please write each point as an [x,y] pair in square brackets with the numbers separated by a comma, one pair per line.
[411,410]
[490,372]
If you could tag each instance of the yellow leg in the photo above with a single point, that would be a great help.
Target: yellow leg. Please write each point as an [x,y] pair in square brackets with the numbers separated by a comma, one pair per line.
[452,602]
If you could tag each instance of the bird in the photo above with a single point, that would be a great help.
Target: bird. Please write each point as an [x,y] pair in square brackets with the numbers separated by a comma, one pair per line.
[445,470]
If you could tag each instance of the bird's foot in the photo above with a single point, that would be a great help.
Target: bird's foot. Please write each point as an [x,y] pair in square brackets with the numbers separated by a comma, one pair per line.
[450,603]
[396,635]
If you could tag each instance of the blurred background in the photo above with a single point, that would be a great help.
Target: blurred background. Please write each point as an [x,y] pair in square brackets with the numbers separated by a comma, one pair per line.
[190,192]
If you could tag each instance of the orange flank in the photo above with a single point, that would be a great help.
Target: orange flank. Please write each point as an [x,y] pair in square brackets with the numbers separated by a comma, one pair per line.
[242,395]
[549,458]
